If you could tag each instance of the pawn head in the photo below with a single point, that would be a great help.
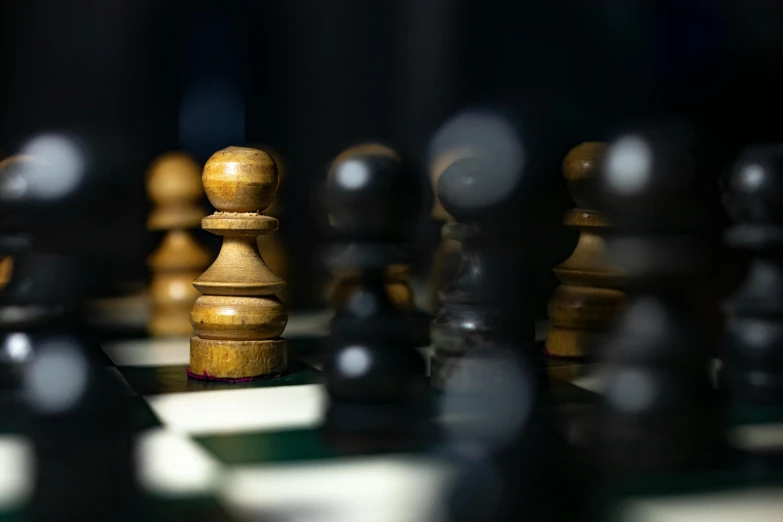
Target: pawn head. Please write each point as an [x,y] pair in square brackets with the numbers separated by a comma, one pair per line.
[174,177]
[482,153]
[240,179]
[370,193]
[648,181]
[754,188]
[580,169]
[473,188]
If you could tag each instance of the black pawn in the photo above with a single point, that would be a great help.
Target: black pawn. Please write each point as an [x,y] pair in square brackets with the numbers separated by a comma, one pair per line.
[659,411]
[482,305]
[75,414]
[374,376]
[467,318]
[752,371]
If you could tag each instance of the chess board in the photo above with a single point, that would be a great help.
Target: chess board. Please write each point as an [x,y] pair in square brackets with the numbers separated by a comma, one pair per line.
[250,450]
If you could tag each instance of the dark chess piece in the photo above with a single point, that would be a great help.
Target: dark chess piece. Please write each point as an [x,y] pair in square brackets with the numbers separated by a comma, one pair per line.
[12,244]
[75,414]
[356,204]
[374,376]
[472,315]
[659,411]
[753,347]
[491,165]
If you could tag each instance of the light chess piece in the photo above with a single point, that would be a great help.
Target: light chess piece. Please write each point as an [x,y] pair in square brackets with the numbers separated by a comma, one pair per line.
[272,247]
[589,297]
[174,187]
[239,320]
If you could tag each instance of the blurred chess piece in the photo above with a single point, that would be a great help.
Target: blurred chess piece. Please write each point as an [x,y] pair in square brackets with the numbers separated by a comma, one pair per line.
[753,347]
[238,320]
[659,414]
[374,376]
[467,319]
[489,185]
[6,263]
[74,415]
[6,268]
[445,261]
[489,177]
[346,282]
[271,246]
[174,186]
[589,297]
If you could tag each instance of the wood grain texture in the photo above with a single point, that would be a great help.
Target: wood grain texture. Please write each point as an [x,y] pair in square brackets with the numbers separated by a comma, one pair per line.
[242,318]
[239,270]
[173,185]
[238,320]
[219,359]
[275,256]
[240,179]
[272,248]
[590,295]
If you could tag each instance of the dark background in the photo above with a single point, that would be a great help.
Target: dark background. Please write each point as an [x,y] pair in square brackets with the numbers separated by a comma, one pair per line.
[310,77]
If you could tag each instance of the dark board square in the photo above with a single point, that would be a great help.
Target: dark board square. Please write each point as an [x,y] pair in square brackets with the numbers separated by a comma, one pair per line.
[156,508]
[186,509]
[294,445]
[268,447]
[156,380]
[143,416]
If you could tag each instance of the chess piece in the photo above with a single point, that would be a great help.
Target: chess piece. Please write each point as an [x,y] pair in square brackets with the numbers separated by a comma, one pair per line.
[488,182]
[658,412]
[752,362]
[174,186]
[397,277]
[73,412]
[589,297]
[271,246]
[13,242]
[472,190]
[238,321]
[7,263]
[6,268]
[374,376]
[445,261]
[345,282]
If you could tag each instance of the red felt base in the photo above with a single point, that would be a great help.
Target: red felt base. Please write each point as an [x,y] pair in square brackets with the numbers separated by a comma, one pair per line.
[205,377]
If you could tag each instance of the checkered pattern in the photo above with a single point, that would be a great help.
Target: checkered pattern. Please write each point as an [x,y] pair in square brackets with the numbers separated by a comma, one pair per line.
[253,449]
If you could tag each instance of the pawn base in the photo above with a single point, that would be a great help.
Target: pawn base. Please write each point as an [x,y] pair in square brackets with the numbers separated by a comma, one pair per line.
[237,361]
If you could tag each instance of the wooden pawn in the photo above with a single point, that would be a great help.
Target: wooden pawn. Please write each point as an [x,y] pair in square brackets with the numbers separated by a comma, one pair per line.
[589,297]
[239,321]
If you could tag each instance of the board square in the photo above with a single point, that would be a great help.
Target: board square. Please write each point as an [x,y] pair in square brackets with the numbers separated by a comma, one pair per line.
[158,380]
